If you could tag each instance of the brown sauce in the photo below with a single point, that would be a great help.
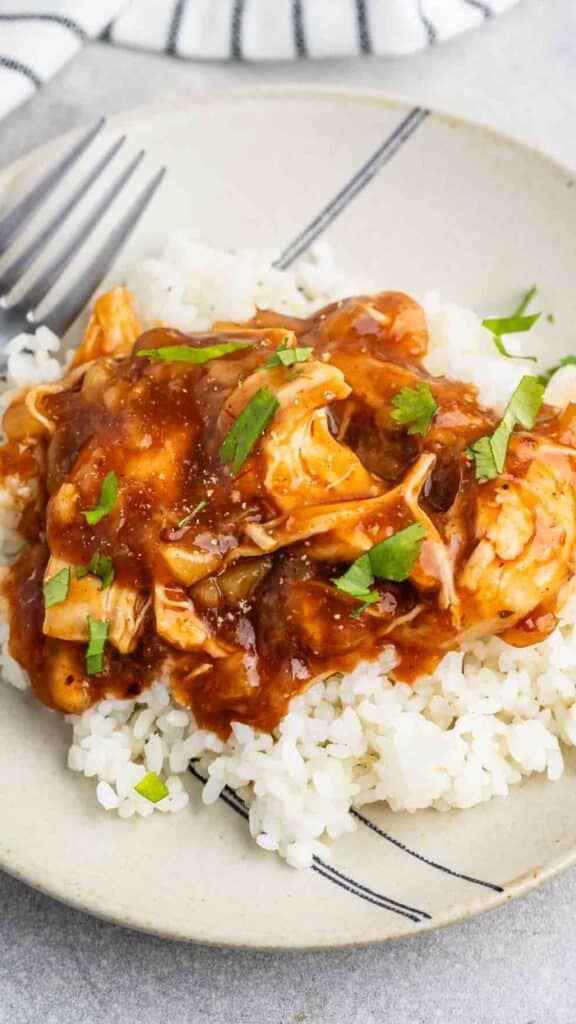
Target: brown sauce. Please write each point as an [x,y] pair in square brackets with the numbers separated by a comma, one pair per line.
[277,619]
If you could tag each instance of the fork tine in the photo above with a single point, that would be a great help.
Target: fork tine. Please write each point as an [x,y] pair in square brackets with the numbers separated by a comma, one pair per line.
[19,266]
[26,206]
[65,313]
[48,277]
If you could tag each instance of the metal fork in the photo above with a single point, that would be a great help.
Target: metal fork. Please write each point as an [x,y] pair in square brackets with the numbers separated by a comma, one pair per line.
[21,314]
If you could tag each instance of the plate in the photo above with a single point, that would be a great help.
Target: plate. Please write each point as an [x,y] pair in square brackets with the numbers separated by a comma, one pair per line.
[416,201]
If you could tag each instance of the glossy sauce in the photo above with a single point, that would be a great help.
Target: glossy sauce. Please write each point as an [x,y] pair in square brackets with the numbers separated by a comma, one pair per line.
[283,623]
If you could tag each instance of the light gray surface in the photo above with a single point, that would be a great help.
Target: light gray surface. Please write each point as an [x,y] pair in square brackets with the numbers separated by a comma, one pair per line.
[514,966]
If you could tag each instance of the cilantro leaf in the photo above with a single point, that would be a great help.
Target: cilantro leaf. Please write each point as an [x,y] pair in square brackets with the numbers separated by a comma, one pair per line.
[106,501]
[188,518]
[56,588]
[511,324]
[284,356]
[152,788]
[517,323]
[99,565]
[248,427]
[525,403]
[484,458]
[188,354]
[414,407]
[548,374]
[395,557]
[357,580]
[391,559]
[510,355]
[374,597]
[525,301]
[97,637]
[489,453]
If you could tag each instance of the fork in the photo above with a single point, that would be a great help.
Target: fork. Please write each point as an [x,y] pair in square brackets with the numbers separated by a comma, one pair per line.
[19,316]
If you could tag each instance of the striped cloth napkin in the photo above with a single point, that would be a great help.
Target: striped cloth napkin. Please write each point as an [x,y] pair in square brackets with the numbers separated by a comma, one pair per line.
[36,39]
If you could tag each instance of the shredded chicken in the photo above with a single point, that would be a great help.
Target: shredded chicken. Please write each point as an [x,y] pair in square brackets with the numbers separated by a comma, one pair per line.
[229,577]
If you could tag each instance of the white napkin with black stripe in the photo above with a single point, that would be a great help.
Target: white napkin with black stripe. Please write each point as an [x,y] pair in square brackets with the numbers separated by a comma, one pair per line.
[36,39]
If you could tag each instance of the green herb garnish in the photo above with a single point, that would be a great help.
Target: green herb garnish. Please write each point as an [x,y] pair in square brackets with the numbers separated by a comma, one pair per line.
[489,453]
[101,566]
[106,501]
[187,354]
[357,580]
[57,587]
[152,788]
[97,637]
[246,430]
[517,323]
[548,374]
[187,518]
[391,559]
[284,356]
[415,408]
[525,301]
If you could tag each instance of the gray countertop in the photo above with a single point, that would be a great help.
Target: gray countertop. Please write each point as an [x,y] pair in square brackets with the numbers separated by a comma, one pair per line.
[513,966]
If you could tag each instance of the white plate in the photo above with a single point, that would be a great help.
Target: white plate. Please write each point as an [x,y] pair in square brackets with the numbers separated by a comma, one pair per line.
[457,209]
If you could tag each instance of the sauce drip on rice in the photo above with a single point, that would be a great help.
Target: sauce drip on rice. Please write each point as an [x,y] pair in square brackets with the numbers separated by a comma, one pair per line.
[214,506]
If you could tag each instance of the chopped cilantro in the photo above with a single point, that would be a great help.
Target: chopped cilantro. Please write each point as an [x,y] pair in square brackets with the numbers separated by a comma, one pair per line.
[57,587]
[99,565]
[106,501]
[188,354]
[489,453]
[391,559]
[517,323]
[548,374]
[248,427]
[415,408]
[188,518]
[284,356]
[97,637]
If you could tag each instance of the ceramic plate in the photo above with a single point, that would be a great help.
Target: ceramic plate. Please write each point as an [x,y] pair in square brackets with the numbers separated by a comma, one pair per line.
[414,201]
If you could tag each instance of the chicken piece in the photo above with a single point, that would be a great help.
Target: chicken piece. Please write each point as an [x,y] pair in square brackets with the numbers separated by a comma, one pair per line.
[112,329]
[525,532]
[303,462]
[124,608]
[178,623]
[64,677]
[458,416]
[342,531]
[389,324]
[26,417]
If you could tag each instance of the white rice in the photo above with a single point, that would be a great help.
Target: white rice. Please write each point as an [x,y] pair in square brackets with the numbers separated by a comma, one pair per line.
[487,717]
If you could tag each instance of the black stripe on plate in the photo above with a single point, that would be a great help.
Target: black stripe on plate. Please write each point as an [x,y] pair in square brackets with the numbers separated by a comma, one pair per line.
[300,44]
[21,69]
[171,47]
[419,914]
[357,182]
[55,19]
[232,800]
[431,32]
[236,29]
[481,5]
[364,34]
[420,856]
[364,896]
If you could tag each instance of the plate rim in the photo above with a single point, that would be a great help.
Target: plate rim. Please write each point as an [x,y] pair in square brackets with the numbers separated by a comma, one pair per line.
[93,905]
